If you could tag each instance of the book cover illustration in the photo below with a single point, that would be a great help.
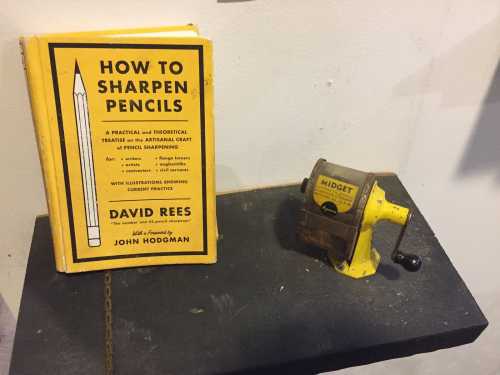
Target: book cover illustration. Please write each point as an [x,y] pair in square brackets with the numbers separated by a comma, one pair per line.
[86,159]
[125,134]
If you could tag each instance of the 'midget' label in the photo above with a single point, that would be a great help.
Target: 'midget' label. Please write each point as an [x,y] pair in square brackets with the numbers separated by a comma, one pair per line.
[341,193]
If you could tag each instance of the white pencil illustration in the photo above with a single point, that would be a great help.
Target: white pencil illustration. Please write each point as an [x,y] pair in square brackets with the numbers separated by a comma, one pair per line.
[86,159]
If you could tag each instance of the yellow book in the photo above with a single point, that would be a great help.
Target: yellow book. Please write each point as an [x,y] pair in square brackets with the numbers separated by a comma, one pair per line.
[124,125]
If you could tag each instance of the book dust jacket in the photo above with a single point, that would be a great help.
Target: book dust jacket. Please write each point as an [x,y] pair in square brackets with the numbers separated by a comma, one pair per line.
[125,134]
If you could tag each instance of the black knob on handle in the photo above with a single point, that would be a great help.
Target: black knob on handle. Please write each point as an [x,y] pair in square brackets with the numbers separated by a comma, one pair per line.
[410,262]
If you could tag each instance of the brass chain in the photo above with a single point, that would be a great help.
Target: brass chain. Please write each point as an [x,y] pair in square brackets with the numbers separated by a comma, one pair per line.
[108,325]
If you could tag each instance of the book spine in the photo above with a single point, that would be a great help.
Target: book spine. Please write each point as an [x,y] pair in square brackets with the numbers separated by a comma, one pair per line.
[34,77]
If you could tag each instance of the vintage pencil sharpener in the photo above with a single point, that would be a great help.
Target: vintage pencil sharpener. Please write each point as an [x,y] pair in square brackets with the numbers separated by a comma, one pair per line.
[341,207]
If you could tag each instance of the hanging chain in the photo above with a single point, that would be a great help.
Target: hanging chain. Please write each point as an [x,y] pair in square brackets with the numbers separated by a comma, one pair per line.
[108,325]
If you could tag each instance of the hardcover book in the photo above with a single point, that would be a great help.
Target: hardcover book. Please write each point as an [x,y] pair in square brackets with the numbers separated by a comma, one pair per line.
[125,135]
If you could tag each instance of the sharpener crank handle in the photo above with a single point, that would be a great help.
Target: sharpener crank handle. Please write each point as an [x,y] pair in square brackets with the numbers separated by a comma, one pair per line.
[410,262]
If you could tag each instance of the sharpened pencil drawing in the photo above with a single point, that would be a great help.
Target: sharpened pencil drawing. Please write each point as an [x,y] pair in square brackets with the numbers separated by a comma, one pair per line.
[86,159]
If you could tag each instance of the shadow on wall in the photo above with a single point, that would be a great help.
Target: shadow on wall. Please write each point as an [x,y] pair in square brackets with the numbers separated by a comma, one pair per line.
[227,179]
[482,153]
[457,76]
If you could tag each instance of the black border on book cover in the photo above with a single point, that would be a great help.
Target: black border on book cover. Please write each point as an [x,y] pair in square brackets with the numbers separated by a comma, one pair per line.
[53,65]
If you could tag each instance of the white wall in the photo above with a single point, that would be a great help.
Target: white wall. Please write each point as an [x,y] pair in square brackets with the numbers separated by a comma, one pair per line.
[395,85]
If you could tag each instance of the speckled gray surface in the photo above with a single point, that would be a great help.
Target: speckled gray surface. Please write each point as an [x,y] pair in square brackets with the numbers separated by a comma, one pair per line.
[270,304]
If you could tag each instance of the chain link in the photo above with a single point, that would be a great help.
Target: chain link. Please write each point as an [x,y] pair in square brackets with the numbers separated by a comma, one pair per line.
[108,325]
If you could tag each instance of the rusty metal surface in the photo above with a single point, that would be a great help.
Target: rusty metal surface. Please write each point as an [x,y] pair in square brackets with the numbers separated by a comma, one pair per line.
[335,234]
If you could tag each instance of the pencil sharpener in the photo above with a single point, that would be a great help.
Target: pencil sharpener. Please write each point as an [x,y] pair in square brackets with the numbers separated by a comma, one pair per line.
[342,205]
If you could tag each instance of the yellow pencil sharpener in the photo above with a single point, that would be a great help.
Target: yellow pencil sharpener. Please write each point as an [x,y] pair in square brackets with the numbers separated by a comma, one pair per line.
[341,207]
